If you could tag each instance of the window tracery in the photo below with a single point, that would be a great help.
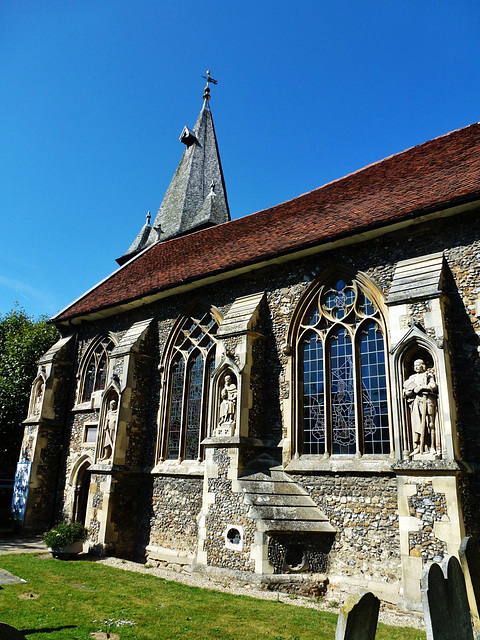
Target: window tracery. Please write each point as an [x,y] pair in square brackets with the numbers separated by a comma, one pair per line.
[192,361]
[94,369]
[341,372]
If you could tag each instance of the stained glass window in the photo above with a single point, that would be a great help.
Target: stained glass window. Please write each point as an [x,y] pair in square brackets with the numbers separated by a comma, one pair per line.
[342,393]
[193,349]
[89,381]
[341,342]
[313,396]
[194,408]
[176,401]
[374,390]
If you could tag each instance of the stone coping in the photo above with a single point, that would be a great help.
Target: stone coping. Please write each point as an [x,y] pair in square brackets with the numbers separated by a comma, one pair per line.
[175,468]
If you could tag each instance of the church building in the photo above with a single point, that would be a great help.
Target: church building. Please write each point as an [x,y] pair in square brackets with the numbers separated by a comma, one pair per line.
[292,396]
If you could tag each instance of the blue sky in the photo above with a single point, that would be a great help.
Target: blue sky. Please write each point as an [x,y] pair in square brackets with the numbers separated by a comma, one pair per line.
[96,93]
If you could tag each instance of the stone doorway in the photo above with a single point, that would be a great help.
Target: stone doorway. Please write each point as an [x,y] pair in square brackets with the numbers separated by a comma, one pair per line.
[82,485]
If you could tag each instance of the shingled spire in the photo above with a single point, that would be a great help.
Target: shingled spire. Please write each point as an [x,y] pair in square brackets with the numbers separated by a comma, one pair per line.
[182,208]
[196,197]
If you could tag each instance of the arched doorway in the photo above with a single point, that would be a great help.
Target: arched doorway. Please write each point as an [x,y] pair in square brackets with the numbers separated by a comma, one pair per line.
[81,489]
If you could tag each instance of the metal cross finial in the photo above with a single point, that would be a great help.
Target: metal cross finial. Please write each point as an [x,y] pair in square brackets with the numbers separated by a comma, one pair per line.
[158,230]
[206,91]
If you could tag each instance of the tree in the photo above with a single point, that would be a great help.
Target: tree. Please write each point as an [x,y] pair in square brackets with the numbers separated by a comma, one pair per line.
[22,341]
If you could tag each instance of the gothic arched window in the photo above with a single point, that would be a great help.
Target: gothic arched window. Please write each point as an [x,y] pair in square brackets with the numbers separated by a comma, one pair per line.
[94,369]
[341,373]
[191,363]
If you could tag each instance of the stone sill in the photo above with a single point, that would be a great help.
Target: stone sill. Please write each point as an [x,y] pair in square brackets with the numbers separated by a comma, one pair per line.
[175,468]
[42,422]
[349,464]
[230,441]
[108,468]
[85,407]
[437,467]
[173,556]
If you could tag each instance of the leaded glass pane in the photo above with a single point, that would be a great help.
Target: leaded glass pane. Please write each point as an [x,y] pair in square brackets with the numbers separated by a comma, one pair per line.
[89,381]
[175,419]
[342,385]
[194,408]
[368,307]
[313,397]
[339,299]
[314,317]
[374,391]
[101,373]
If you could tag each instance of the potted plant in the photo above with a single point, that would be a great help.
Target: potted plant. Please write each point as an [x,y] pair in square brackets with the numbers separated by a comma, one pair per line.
[66,539]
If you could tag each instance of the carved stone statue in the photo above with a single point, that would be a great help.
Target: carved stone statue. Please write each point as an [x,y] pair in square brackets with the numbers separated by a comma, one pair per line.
[228,407]
[37,400]
[109,431]
[421,392]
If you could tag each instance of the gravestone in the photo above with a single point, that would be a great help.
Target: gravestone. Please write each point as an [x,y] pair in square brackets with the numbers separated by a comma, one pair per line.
[9,578]
[470,561]
[445,602]
[358,618]
[10,633]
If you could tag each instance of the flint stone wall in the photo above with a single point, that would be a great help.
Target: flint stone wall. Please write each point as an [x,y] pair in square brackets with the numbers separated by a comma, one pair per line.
[176,503]
[228,510]
[363,509]
[429,507]
[96,500]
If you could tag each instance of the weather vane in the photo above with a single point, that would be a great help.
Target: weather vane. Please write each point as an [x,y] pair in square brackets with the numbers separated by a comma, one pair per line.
[206,91]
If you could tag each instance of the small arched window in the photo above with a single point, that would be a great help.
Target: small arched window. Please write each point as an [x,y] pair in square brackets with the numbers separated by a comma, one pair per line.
[342,403]
[94,369]
[190,367]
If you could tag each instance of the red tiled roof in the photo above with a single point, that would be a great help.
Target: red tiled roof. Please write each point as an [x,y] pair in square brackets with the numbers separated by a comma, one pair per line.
[439,173]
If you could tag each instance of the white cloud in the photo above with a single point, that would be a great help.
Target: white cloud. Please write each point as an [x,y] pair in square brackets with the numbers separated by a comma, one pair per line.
[33,296]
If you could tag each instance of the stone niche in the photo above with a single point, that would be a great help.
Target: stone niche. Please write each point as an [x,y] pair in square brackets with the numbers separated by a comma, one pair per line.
[108,427]
[226,408]
[300,553]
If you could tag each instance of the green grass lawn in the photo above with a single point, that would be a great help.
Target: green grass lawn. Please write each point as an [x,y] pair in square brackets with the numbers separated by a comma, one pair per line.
[75,598]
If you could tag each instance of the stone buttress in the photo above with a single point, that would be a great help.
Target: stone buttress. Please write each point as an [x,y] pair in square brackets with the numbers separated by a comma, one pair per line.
[249,503]
[39,464]
[113,500]
[428,481]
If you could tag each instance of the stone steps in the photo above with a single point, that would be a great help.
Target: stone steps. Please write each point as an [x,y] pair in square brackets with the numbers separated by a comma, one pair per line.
[295,526]
[277,502]
[291,512]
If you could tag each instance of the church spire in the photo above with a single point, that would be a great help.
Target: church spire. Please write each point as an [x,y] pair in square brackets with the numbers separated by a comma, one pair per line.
[191,202]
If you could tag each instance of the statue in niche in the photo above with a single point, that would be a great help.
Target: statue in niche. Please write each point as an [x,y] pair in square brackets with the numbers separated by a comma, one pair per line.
[421,392]
[38,397]
[109,431]
[228,407]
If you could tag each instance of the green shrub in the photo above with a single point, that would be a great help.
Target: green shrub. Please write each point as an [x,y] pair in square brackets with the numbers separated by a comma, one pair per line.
[64,534]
